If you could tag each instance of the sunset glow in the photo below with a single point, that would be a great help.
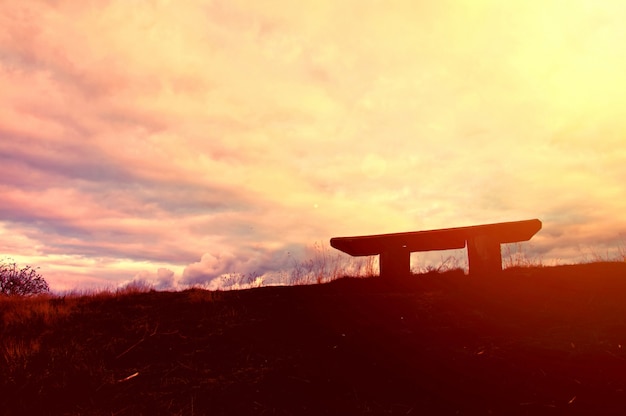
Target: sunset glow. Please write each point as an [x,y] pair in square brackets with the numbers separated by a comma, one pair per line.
[176,142]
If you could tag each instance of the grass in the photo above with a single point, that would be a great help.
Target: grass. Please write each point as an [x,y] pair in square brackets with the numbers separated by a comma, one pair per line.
[325,265]
[537,340]
[322,265]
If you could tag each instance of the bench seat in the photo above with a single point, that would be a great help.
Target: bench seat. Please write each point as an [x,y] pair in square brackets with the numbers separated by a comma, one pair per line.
[482,242]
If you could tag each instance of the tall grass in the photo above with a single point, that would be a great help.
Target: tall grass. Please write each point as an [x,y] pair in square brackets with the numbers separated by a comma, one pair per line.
[322,264]
[448,260]
[23,321]
[47,340]
[516,255]
[617,254]
[325,265]
[27,322]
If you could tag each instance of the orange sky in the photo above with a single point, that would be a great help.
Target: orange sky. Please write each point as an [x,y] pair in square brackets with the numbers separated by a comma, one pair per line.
[175,141]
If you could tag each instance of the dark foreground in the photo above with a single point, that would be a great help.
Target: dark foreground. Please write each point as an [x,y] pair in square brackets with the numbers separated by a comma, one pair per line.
[545,341]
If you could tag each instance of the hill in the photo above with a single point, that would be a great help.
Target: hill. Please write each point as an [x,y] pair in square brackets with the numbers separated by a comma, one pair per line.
[533,341]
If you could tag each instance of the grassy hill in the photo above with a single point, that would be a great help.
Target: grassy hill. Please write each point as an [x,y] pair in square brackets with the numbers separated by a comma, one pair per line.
[536,341]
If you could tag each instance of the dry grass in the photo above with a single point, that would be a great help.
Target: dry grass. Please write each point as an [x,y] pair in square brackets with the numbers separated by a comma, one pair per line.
[617,254]
[23,321]
[48,340]
[92,342]
[274,350]
[517,255]
[326,264]
[26,324]
[57,348]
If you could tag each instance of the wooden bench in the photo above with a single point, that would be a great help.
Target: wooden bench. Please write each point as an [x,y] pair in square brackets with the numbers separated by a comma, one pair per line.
[482,241]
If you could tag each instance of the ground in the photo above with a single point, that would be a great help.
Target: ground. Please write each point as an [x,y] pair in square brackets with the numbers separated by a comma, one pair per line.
[537,341]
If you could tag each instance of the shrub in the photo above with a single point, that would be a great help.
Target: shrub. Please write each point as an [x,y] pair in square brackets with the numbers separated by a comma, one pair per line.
[21,281]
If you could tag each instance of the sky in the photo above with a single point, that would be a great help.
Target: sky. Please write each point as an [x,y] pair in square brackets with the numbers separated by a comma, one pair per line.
[176,141]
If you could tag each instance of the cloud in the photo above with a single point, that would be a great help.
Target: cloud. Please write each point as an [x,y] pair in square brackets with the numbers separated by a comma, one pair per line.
[246,261]
[146,136]
[163,279]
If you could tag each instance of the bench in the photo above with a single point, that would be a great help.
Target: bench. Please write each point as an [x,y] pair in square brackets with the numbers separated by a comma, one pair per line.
[482,242]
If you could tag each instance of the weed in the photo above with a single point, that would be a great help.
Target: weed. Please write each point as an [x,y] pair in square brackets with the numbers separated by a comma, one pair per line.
[40,311]
[325,265]
[617,254]
[446,264]
[518,255]
[16,354]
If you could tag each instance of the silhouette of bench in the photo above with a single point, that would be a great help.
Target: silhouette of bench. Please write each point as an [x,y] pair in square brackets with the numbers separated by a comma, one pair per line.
[482,241]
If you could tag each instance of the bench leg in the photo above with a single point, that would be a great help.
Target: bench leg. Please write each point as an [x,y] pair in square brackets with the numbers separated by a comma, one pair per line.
[395,264]
[484,255]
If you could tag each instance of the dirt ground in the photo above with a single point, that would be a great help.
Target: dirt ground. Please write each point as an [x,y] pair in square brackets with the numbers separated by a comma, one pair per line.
[545,341]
